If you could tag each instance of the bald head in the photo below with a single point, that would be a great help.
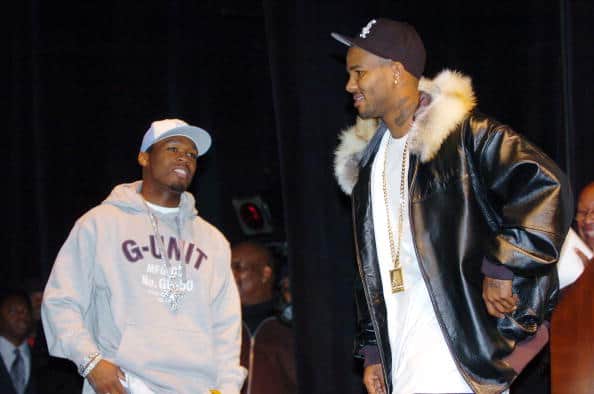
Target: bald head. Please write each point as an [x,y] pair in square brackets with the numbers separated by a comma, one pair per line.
[253,271]
[584,216]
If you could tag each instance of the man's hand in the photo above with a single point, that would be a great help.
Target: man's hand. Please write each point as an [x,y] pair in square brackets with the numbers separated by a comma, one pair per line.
[105,378]
[498,296]
[373,378]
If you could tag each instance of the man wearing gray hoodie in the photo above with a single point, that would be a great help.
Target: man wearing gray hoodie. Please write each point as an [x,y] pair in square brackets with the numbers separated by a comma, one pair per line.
[141,296]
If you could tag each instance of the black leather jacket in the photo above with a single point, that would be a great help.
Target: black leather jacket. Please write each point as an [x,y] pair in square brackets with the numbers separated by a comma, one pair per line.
[487,193]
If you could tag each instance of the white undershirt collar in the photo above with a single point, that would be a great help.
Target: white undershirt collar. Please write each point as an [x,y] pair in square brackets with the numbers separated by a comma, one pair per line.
[162,209]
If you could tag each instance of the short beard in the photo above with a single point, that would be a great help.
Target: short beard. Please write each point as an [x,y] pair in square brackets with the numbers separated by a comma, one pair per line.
[367,115]
[178,188]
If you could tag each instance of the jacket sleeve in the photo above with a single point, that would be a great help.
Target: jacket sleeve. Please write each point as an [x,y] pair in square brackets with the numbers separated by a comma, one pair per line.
[365,338]
[524,195]
[67,295]
[226,312]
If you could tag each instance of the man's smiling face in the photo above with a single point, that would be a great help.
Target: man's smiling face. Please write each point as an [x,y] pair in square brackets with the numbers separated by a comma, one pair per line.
[584,216]
[370,82]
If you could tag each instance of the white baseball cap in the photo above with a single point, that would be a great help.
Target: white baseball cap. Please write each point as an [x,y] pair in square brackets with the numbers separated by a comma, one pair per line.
[161,129]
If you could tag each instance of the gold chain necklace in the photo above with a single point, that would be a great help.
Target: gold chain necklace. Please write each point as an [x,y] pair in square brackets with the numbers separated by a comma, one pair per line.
[396,277]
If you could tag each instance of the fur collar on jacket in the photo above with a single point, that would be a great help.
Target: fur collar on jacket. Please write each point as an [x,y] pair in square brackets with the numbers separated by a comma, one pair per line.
[452,98]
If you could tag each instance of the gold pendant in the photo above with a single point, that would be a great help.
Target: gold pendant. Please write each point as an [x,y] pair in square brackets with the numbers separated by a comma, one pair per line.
[397,280]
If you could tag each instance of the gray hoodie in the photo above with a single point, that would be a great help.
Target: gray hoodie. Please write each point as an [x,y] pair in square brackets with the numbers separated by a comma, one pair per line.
[103,295]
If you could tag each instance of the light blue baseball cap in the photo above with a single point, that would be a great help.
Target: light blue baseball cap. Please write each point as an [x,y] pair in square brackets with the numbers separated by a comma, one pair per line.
[165,128]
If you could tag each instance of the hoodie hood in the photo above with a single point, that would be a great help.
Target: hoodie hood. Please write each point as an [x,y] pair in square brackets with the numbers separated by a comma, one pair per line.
[452,99]
[127,197]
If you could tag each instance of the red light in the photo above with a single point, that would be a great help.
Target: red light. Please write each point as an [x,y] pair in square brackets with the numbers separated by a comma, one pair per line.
[251,216]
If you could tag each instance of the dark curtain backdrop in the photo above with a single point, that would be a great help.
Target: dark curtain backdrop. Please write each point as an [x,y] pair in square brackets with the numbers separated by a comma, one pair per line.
[83,81]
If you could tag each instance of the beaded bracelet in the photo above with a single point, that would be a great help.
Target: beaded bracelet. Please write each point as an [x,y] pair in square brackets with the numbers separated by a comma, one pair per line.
[92,365]
[86,361]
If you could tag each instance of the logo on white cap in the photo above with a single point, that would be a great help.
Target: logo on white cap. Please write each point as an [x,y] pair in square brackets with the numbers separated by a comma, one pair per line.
[367,29]
[161,126]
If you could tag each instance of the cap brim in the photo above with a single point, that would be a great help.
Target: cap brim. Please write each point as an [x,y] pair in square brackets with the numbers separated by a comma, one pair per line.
[199,137]
[348,41]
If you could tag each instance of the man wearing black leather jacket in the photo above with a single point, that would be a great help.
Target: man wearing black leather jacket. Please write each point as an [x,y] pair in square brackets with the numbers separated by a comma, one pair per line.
[458,222]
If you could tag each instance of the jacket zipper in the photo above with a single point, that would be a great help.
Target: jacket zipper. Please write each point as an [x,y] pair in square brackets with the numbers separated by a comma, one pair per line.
[251,363]
[251,355]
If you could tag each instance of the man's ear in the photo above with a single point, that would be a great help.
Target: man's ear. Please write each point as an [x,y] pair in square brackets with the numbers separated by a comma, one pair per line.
[143,159]
[396,67]
[266,274]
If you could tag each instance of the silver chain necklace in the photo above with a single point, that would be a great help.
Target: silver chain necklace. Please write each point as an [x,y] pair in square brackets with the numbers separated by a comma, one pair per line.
[173,292]
[396,274]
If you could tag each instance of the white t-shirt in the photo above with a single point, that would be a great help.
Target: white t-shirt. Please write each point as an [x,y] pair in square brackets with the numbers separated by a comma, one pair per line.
[161,208]
[421,360]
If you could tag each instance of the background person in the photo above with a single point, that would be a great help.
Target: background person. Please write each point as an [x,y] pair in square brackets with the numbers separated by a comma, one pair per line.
[16,322]
[267,347]
[584,216]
